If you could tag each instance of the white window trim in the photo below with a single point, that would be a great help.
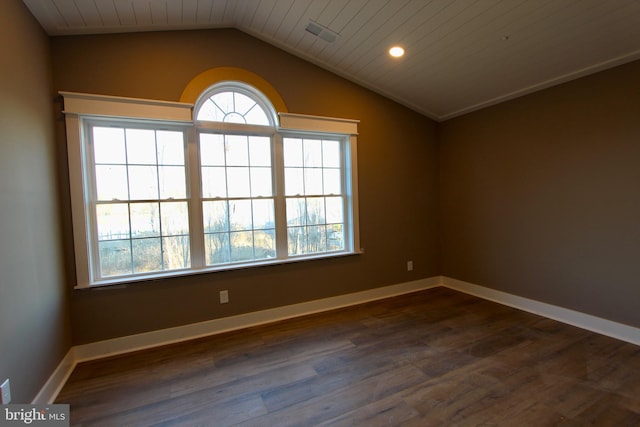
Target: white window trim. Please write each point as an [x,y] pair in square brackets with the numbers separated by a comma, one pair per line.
[133,108]
[330,125]
[81,106]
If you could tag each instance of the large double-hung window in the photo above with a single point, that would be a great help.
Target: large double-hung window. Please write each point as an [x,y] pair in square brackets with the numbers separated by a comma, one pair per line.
[139,205]
[162,189]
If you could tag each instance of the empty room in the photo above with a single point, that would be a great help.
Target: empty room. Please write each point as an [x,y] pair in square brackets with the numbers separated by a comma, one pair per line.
[321,212]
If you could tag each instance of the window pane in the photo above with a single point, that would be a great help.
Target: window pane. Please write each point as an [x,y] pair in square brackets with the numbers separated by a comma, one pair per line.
[108,145]
[243,103]
[237,150]
[335,237]
[224,101]
[297,242]
[238,182]
[215,215]
[210,111]
[296,211]
[176,252]
[147,255]
[293,182]
[175,218]
[141,146]
[261,182]
[332,181]
[240,217]
[265,244]
[211,149]
[214,182]
[331,154]
[113,221]
[315,211]
[260,150]
[170,147]
[316,239]
[241,246]
[292,152]
[263,214]
[313,181]
[115,257]
[143,182]
[217,249]
[145,219]
[312,153]
[172,182]
[111,182]
[334,207]
[257,116]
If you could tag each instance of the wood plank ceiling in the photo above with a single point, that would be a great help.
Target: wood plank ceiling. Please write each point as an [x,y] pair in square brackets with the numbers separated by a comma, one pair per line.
[462,55]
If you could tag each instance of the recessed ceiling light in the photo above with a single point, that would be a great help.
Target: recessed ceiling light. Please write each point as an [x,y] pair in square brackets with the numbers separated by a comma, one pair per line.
[396,51]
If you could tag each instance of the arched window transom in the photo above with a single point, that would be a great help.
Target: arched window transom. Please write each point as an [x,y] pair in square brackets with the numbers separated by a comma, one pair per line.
[233,102]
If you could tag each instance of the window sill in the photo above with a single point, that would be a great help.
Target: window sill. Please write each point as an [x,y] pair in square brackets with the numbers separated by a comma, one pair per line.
[125,281]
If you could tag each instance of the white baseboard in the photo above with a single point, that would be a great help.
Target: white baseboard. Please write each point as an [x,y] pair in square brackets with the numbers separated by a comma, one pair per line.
[575,318]
[100,349]
[145,340]
[56,381]
[142,341]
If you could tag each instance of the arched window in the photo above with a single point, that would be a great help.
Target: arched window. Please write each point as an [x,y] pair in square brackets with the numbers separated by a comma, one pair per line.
[234,102]
[237,174]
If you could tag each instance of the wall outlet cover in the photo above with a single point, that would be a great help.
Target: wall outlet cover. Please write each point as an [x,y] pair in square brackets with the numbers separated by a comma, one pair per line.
[224,297]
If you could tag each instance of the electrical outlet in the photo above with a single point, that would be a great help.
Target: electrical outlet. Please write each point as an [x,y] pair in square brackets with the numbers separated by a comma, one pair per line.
[5,389]
[409,265]
[224,297]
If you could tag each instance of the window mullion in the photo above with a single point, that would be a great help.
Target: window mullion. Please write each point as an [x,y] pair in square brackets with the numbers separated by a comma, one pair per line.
[196,229]
[280,200]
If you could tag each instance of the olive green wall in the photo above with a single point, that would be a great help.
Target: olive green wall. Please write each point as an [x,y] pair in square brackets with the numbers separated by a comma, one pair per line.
[34,328]
[540,196]
[396,165]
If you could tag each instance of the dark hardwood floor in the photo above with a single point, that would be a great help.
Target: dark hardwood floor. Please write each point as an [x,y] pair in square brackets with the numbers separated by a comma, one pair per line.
[436,357]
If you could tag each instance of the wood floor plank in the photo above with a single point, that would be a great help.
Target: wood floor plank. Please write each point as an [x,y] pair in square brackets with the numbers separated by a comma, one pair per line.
[436,357]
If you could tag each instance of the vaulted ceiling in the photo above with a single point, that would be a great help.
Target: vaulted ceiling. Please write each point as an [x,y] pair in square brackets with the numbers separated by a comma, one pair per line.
[461,55]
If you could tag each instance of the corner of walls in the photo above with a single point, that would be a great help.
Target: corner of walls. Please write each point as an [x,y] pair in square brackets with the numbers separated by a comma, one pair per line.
[57,380]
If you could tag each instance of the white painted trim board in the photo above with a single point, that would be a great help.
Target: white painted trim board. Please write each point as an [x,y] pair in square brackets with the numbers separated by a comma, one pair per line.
[57,380]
